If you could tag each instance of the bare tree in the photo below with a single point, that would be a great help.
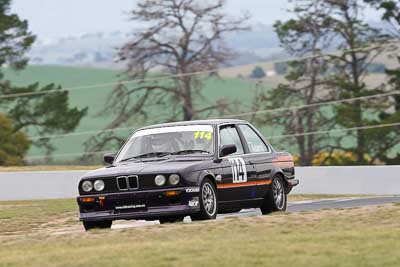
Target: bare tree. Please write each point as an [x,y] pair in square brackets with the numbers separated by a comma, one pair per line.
[178,37]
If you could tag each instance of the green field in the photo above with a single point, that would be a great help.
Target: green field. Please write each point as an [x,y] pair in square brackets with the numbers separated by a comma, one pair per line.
[94,98]
[47,233]
[239,92]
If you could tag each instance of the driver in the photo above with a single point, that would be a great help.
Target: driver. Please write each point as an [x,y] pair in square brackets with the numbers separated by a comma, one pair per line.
[162,143]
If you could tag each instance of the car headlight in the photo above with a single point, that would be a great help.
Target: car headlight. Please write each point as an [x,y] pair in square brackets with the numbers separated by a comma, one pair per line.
[160,180]
[98,185]
[87,186]
[174,179]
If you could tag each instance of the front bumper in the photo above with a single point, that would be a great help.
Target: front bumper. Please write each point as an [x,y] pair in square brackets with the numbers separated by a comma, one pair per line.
[150,204]
[293,182]
[290,184]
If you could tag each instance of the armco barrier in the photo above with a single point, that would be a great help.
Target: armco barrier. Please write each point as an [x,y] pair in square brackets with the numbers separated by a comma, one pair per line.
[313,180]
[39,185]
[378,180]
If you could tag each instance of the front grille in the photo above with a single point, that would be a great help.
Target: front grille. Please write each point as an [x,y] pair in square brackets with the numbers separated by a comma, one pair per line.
[122,183]
[133,182]
[127,182]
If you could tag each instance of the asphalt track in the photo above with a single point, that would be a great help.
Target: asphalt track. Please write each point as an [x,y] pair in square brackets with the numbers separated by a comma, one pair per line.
[309,205]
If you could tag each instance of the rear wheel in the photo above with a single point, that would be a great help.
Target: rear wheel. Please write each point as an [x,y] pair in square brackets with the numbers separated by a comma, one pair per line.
[97,225]
[208,201]
[276,198]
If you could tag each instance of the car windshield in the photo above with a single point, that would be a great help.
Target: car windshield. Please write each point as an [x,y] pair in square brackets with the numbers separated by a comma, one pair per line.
[175,140]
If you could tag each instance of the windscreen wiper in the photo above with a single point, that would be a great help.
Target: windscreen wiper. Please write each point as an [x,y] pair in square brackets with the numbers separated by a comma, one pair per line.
[189,151]
[148,155]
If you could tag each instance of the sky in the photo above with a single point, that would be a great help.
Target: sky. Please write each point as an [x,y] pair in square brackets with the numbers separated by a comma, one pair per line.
[55,18]
[52,18]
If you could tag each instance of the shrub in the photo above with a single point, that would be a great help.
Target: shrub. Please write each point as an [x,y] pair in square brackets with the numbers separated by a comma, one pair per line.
[258,73]
[13,145]
[337,158]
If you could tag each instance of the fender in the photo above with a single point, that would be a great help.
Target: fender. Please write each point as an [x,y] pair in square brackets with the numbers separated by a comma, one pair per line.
[284,163]
[286,178]
[277,170]
[207,173]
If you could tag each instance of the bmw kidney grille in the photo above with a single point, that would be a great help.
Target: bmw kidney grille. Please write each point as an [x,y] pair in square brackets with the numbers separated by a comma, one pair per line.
[125,183]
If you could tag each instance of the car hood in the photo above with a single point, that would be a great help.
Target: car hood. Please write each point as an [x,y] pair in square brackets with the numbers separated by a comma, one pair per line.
[170,165]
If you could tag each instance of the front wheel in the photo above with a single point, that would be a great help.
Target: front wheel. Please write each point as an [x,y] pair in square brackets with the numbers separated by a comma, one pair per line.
[97,225]
[276,198]
[208,201]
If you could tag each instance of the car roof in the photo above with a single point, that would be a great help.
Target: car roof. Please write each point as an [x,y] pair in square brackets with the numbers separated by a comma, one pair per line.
[195,122]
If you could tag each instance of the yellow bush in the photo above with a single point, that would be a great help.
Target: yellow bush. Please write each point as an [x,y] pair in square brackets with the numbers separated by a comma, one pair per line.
[13,145]
[338,157]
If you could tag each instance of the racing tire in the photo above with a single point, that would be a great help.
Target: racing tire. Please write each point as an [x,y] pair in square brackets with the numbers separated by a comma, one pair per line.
[208,202]
[97,225]
[170,219]
[276,198]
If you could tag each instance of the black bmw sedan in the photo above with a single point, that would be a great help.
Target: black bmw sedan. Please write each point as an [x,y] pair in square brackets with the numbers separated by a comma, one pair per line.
[198,168]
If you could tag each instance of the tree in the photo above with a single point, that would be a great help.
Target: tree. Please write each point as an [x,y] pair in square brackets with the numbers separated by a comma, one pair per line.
[306,34]
[15,39]
[42,114]
[281,68]
[257,73]
[334,25]
[180,37]
[13,145]
[391,14]
[351,35]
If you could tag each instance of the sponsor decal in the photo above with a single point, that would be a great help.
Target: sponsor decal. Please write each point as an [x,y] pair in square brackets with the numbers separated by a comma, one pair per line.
[239,171]
[193,203]
[130,207]
[192,190]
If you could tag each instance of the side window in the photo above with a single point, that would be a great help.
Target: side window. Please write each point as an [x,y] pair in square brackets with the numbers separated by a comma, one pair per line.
[254,142]
[228,136]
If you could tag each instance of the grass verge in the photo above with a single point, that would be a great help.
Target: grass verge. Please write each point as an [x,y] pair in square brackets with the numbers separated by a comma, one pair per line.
[367,236]
[29,216]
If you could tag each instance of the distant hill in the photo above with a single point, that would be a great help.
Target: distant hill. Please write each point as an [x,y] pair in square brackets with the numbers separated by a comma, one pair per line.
[98,49]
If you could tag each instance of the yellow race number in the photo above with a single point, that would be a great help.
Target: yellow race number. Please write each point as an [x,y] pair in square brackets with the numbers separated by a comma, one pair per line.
[203,135]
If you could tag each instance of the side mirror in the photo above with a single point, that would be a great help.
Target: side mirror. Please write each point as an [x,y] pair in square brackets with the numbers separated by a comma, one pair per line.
[227,150]
[109,158]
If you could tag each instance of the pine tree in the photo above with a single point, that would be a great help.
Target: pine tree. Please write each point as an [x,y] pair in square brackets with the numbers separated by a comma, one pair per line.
[43,114]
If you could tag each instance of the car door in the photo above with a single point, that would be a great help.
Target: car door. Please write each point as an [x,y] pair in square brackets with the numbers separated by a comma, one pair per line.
[260,155]
[239,176]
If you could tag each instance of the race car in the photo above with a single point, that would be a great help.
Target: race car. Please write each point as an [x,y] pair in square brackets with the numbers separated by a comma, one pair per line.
[198,168]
